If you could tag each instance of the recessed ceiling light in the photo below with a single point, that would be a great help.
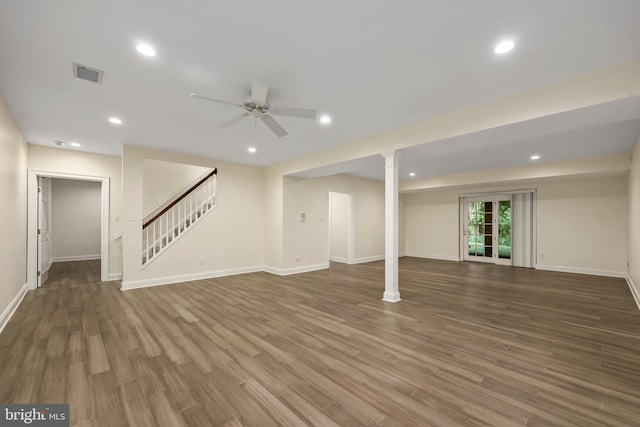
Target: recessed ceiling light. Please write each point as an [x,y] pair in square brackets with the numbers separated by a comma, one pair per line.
[535,157]
[325,120]
[115,121]
[146,49]
[58,143]
[412,174]
[74,144]
[504,46]
[251,149]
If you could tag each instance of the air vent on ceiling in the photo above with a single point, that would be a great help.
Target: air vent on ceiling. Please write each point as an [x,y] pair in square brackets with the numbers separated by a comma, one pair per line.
[87,73]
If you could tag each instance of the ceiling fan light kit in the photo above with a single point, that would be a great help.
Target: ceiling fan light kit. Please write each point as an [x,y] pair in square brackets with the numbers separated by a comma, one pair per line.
[258,107]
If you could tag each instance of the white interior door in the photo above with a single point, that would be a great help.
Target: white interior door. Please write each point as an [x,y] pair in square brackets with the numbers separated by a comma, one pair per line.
[44,232]
[486,229]
[341,227]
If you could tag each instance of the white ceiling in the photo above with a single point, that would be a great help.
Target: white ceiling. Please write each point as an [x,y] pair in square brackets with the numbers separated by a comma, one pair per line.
[372,65]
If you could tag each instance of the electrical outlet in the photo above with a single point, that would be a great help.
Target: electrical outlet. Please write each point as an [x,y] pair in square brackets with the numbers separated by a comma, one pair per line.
[310,256]
[542,256]
[116,218]
[201,261]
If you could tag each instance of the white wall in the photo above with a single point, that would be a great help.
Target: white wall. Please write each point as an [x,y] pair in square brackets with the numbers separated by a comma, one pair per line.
[309,240]
[228,240]
[582,224]
[634,226]
[75,219]
[68,161]
[431,224]
[13,215]
[339,204]
[162,180]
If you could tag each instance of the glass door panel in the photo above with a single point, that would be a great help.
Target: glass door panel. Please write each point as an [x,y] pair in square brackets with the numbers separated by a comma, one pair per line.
[479,229]
[504,229]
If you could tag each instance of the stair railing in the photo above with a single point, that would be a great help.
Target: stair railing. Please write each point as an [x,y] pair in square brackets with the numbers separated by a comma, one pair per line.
[161,230]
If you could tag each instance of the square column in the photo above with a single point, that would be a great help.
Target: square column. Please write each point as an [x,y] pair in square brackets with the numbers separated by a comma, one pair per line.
[391,293]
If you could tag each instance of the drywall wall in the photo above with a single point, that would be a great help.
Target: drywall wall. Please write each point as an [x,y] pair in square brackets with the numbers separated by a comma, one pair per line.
[634,226]
[75,219]
[66,161]
[161,180]
[273,220]
[228,240]
[306,243]
[581,224]
[431,225]
[13,215]
[340,204]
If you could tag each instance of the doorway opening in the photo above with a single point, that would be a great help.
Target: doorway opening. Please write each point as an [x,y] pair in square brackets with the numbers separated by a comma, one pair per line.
[340,227]
[39,214]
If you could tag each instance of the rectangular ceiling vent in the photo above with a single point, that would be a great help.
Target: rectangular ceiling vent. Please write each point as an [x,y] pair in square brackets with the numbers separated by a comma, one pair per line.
[87,73]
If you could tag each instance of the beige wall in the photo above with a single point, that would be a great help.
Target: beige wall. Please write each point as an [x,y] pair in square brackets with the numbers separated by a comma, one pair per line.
[161,180]
[634,225]
[57,160]
[273,219]
[309,240]
[228,240]
[13,215]
[75,219]
[431,224]
[581,223]
[340,204]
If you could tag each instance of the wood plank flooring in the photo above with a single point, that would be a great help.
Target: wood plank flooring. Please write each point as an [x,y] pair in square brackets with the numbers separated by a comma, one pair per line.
[469,344]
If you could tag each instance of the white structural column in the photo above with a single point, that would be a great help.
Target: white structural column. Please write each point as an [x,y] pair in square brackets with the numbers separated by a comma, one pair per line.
[391,293]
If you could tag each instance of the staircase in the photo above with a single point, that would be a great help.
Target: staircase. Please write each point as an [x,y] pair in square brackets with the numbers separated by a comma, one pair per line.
[181,213]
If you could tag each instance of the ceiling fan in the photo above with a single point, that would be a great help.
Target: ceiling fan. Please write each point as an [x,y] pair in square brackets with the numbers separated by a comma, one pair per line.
[258,107]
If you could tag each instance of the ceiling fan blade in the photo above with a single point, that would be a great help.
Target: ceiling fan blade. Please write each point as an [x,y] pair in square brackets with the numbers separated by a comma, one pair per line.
[273,125]
[208,98]
[259,92]
[305,113]
[235,120]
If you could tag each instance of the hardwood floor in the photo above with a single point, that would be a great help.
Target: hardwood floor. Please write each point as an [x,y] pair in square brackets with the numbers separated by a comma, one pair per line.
[469,344]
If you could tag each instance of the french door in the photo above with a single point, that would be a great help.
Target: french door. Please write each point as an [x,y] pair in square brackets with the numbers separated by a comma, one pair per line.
[486,229]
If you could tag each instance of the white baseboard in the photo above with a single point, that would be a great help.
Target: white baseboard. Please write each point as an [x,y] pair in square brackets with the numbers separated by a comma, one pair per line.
[137,284]
[339,259]
[114,276]
[75,258]
[13,306]
[432,256]
[635,291]
[368,259]
[578,270]
[295,270]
